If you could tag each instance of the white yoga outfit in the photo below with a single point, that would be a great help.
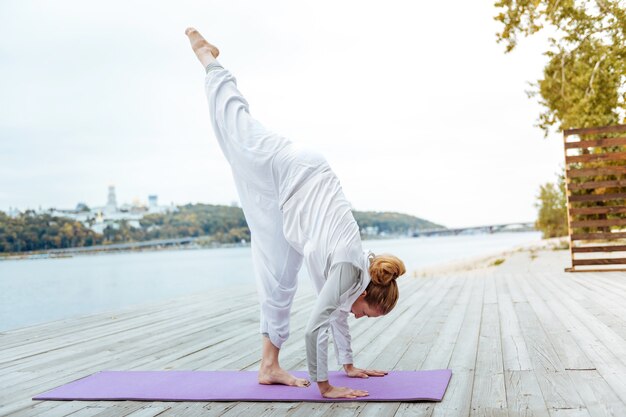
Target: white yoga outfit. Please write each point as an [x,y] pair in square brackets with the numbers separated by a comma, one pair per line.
[296,210]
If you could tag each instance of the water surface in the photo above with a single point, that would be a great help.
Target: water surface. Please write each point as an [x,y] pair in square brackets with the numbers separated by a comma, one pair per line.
[40,290]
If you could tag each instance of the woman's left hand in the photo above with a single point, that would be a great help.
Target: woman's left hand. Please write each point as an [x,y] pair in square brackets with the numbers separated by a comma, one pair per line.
[354,372]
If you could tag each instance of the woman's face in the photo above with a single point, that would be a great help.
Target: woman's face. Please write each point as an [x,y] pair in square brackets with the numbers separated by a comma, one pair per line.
[360,308]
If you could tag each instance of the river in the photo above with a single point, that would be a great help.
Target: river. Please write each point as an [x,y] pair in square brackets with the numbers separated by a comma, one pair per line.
[41,290]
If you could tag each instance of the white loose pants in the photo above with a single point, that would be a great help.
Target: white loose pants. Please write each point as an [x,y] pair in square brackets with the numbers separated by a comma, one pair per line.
[267,169]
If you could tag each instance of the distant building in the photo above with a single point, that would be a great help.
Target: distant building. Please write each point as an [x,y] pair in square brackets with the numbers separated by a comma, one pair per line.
[370,231]
[13,212]
[111,200]
[110,215]
[153,202]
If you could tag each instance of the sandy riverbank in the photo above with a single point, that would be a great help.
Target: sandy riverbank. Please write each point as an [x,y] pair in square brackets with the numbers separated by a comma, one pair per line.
[492,260]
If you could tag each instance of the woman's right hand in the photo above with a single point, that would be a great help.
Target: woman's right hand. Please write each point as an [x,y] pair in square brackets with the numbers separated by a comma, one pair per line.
[343,392]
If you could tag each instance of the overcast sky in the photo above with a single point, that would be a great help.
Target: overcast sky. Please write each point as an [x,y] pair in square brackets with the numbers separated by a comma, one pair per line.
[414,104]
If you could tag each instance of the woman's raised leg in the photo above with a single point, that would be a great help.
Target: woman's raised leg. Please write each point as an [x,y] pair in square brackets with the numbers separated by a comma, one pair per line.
[250,150]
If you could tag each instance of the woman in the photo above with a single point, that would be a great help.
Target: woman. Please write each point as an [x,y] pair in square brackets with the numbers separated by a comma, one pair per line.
[296,212]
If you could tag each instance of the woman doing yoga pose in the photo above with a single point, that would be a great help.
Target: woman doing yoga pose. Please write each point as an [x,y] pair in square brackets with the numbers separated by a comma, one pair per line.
[296,211]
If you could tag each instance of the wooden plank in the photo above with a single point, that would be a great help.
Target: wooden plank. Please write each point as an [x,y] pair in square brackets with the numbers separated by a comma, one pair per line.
[489,357]
[458,396]
[599,223]
[569,353]
[568,177]
[612,286]
[608,248]
[60,408]
[610,316]
[557,389]
[373,409]
[598,396]
[598,210]
[596,143]
[596,157]
[309,410]
[599,236]
[463,356]
[572,172]
[442,349]
[542,353]
[514,350]
[432,315]
[607,261]
[523,395]
[151,410]
[239,409]
[195,409]
[422,409]
[591,185]
[590,334]
[489,392]
[594,130]
[605,302]
[393,337]
[430,326]
[347,409]
[596,197]
[490,295]
[569,412]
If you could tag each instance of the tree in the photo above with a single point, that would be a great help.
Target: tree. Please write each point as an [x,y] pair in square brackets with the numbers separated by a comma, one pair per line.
[552,205]
[584,81]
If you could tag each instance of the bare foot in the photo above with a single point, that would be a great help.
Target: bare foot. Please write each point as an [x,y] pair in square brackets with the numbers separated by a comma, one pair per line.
[270,376]
[205,52]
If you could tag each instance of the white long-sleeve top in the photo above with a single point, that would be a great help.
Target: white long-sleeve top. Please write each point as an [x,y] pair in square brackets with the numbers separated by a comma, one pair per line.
[328,317]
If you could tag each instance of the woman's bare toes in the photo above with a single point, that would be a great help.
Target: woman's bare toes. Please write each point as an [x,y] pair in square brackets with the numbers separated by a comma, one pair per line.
[199,44]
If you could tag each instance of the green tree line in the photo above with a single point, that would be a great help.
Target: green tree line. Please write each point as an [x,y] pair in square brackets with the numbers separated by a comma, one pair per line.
[392,223]
[30,231]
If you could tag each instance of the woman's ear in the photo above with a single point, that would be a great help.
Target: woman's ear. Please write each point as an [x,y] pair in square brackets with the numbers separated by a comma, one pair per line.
[363,294]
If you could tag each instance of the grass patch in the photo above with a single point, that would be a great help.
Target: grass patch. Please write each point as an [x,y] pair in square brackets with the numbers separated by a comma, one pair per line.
[497,262]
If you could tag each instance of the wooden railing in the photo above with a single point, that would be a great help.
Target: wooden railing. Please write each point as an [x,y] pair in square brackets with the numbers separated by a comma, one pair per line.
[595,176]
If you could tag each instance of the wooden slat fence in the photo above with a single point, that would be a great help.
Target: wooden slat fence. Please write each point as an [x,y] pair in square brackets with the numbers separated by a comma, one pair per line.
[595,177]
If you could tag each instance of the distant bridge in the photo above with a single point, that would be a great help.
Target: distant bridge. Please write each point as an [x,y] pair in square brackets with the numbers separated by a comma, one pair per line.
[492,228]
[149,244]
[127,246]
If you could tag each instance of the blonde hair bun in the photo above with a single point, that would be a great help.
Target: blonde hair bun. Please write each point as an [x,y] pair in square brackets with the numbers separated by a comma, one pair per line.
[385,268]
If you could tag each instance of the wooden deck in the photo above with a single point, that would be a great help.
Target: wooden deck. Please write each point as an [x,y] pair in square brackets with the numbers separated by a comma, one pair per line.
[522,339]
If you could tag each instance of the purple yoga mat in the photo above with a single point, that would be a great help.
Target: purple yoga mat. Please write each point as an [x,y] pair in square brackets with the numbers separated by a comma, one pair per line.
[243,386]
